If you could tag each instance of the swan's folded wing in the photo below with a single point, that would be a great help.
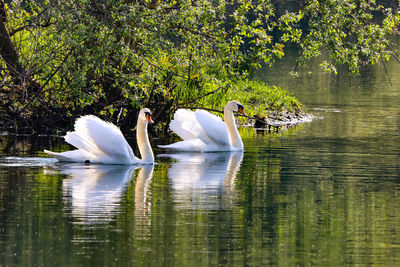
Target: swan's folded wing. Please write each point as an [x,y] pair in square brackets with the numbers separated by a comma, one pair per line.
[93,134]
[186,126]
[213,127]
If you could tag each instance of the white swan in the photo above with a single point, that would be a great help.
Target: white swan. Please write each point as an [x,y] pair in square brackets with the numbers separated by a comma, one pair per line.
[202,131]
[102,142]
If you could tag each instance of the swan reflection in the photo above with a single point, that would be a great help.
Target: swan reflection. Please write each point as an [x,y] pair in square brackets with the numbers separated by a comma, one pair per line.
[142,201]
[204,180]
[94,191]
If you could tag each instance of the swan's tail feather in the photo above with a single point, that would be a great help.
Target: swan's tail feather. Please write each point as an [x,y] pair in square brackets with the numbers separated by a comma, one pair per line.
[77,155]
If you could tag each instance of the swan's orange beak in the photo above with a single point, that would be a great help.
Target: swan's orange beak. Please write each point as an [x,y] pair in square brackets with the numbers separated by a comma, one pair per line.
[241,110]
[148,118]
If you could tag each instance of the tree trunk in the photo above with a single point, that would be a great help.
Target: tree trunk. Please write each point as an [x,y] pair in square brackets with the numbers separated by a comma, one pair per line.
[7,50]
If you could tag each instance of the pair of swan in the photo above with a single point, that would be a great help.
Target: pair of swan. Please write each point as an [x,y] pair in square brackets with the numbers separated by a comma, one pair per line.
[98,141]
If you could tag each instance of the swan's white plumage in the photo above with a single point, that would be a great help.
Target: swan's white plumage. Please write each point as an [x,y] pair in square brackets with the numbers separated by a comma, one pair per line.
[216,131]
[103,139]
[78,155]
[186,126]
[102,142]
[205,132]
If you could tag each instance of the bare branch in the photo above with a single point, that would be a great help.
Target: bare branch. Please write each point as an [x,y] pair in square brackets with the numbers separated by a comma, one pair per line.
[200,97]
[387,74]
[44,85]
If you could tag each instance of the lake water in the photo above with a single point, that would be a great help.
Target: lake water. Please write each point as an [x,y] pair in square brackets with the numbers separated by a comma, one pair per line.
[325,193]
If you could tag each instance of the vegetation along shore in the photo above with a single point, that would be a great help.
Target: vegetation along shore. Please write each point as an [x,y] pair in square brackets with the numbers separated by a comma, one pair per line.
[63,59]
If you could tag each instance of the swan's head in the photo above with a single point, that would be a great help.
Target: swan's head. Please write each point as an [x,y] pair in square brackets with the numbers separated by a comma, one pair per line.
[235,106]
[145,114]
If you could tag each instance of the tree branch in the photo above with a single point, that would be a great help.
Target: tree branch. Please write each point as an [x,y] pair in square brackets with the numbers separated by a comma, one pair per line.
[24,27]
[200,97]
[158,67]
[44,85]
[387,74]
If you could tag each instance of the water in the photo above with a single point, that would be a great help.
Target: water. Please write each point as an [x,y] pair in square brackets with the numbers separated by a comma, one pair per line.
[324,193]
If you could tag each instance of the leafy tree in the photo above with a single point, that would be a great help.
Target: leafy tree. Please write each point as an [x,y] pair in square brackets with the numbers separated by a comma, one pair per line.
[351,33]
[111,57]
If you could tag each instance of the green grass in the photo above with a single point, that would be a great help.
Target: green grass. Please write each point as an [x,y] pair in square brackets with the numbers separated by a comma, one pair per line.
[260,98]
[257,97]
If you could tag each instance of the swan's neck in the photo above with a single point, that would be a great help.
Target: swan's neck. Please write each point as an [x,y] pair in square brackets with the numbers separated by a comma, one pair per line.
[234,135]
[143,142]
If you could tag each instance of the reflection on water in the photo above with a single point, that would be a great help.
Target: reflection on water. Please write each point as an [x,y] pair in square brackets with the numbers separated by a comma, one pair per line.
[142,203]
[325,193]
[199,180]
[92,193]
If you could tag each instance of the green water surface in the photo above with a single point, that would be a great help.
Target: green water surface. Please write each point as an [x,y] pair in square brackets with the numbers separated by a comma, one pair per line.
[325,193]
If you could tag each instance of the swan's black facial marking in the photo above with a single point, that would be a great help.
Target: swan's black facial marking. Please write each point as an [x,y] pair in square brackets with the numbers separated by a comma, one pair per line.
[148,116]
[241,109]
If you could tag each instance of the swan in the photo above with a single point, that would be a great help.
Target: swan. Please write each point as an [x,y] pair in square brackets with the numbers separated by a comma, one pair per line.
[202,131]
[102,142]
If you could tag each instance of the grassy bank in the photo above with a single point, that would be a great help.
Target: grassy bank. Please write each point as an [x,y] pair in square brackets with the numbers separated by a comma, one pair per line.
[262,100]
[259,99]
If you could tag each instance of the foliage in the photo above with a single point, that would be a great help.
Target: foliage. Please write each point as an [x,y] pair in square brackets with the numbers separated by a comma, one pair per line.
[260,98]
[112,57]
[129,54]
[352,33]
[257,97]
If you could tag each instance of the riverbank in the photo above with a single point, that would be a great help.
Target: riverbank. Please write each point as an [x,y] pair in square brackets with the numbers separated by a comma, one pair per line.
[269,106]
[265,105]
[279,120]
